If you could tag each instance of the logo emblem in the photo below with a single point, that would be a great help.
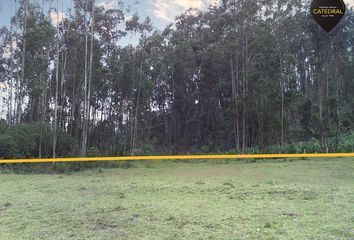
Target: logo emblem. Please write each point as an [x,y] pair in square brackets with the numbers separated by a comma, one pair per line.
[328,13]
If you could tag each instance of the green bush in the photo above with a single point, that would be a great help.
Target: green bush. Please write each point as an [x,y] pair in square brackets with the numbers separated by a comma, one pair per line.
[312,146]
[144,150]
[253,150]
[148,149]
[346,143]
[7,146]
[93,152]
[30,140]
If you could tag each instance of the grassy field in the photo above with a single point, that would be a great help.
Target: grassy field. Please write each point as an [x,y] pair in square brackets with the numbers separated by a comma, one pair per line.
[300,199]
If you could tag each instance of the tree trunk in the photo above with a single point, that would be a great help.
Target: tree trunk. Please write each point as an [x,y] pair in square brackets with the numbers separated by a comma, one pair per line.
[22,81]
[282,100]
[11,83]
[56,89]
[90,73]
[84,131]
[234,80]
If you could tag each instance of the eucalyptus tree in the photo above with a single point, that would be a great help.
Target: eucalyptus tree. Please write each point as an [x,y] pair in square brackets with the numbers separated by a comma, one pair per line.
[34,43]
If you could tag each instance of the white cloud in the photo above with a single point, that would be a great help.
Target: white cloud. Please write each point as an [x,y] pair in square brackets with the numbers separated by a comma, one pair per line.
[349,3]
[168,9]
[56,17]
[108,4]
[3,85]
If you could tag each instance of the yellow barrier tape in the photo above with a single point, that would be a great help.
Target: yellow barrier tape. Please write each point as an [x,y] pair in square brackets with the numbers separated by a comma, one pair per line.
[176,157]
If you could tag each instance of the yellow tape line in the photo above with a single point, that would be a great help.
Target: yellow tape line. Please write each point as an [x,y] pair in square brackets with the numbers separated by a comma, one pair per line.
[181,157]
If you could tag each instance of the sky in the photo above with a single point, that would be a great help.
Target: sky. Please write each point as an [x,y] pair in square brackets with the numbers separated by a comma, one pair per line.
[162,12]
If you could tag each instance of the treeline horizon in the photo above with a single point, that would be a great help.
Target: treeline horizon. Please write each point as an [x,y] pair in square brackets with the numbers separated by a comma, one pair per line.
[242,76]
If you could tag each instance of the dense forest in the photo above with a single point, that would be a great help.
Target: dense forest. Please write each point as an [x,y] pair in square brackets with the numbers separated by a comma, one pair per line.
[241,76]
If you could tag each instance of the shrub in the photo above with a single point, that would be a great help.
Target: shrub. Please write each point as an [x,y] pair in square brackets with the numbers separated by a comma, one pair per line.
[253,150]
[93,152]
[28,140]
[148,149]
[346,143]
[7,146]
[312,146]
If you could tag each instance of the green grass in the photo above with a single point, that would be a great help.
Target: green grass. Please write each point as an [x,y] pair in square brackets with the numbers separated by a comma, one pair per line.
[300,199]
